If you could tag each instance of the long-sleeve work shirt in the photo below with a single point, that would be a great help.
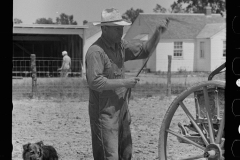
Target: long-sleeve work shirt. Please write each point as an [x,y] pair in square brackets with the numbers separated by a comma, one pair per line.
[100,56]
[104,63]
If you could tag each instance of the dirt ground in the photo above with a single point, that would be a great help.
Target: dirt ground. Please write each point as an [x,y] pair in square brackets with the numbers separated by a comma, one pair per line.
[65,125]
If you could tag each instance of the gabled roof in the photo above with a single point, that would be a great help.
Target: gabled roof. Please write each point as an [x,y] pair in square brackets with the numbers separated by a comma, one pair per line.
[141,37]
[195,23]
[92,30]
[211,29]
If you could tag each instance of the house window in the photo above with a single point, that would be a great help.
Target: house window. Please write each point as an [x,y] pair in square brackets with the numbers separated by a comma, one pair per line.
[202,50]
[178,49]
[224,48]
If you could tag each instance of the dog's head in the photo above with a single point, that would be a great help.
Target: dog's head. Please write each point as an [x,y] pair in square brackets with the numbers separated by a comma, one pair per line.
[32,151]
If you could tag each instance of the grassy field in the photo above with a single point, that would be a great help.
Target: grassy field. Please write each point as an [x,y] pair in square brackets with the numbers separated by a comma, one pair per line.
[76,88]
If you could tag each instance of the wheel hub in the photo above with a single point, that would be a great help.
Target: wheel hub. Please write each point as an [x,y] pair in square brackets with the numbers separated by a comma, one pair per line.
[213,152]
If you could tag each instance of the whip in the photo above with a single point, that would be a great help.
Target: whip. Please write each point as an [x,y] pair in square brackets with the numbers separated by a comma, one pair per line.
[140,70]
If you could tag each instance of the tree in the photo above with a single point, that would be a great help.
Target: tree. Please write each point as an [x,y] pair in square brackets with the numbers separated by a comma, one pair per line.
[17,21]
[85,22]
[131,14]
[159,9]
[65,19]
[177,8]
[197,6]
[44,21]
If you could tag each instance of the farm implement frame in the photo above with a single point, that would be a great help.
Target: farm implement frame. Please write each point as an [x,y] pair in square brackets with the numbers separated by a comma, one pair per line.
[205,130]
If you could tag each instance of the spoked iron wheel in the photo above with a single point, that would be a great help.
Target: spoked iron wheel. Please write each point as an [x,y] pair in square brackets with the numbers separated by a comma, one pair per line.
[193,126]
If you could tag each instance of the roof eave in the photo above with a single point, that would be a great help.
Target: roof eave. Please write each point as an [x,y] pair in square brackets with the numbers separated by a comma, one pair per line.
[217,33]
[54,26]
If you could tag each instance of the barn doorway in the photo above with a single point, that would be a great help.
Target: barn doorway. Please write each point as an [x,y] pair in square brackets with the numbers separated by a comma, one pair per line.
[48,50]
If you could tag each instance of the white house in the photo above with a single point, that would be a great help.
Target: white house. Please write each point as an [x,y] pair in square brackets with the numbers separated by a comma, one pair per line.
[197,45]
[211,47]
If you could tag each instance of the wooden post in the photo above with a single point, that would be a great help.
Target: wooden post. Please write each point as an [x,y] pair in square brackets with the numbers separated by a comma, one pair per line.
[169,76]
[84,51]
[34,75]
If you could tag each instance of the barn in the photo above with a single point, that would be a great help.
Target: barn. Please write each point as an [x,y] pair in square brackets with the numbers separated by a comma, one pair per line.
[47,41]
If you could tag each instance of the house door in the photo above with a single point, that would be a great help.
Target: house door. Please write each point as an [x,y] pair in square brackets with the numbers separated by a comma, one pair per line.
[201,57]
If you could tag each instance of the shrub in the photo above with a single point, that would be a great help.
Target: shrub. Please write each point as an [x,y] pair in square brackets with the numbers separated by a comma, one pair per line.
[182,70]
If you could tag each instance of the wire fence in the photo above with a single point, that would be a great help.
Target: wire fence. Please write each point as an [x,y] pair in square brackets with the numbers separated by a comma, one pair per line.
[75,88]
[45,66]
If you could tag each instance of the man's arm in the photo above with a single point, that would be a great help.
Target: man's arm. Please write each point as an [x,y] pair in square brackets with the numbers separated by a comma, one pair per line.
[152,43]
[95,63]
[142,50]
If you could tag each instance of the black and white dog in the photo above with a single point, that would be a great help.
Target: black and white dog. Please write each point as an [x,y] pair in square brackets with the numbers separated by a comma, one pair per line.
[39,151]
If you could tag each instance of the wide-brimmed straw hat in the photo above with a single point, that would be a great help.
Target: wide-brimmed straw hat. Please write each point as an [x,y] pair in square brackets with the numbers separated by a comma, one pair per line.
[111,17]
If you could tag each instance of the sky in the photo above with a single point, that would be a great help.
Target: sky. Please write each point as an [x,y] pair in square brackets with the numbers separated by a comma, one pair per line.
[30,10]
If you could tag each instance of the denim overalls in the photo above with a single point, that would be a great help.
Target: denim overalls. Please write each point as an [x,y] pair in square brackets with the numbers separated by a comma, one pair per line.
[108,111]
[109,115]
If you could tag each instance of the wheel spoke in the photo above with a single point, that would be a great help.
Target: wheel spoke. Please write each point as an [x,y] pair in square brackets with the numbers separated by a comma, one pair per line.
[222,143]
[201,134]
[220,130]
[209,116]
[186,139]
[194,122]
[193,157]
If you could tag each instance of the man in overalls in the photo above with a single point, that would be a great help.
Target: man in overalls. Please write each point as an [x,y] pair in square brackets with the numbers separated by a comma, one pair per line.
[108,109]
[66,64]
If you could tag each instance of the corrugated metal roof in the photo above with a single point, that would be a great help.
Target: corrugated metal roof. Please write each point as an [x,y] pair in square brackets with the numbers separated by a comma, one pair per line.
[211,29]
[51,26]
[195,23]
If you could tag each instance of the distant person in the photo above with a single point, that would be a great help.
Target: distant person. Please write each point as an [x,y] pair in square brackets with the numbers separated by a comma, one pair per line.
[66,65]
[108,109]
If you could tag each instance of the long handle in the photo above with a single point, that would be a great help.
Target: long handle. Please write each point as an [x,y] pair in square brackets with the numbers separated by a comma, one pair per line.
[129,89]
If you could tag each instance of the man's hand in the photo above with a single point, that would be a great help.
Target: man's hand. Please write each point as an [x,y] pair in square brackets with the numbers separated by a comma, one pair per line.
[59,69]
[163,26]
[131,82]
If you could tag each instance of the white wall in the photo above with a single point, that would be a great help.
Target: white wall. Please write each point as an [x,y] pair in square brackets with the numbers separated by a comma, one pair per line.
[159,60]
[217,49]
[163,50]
[166,48]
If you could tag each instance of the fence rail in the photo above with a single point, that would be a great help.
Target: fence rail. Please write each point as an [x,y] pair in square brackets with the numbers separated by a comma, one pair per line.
[76,87]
